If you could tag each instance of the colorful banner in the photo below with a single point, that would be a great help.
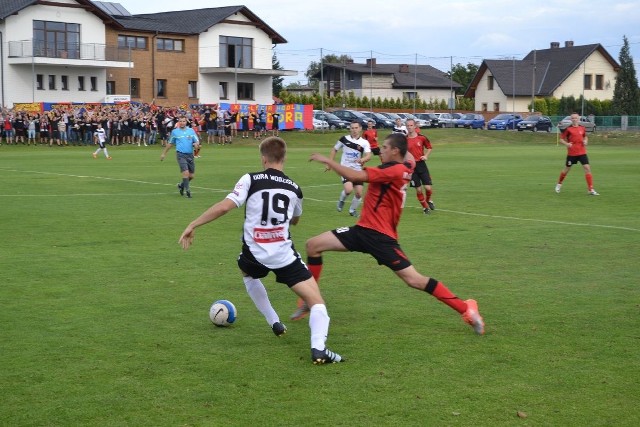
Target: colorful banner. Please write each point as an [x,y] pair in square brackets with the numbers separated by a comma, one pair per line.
[29,107]
[292,116]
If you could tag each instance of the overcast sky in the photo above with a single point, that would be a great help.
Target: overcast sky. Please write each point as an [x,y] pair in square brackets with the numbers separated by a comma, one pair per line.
[433,33]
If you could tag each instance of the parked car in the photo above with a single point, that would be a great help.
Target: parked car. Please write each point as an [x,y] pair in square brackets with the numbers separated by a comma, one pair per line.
[320,124]
[421,123]
[445,120]
[566,122]
[430,118]
[535,123]
[504,121]
[381,120]
[351,116]
[393,117]
[334,121]
[470,121]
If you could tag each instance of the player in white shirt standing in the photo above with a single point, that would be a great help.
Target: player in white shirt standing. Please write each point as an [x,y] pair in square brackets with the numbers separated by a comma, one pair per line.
[356,151]
[272,202]
[100,136]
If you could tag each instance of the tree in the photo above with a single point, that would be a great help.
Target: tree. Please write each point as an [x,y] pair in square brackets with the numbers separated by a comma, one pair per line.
[463,75]
[314,67]
[626,94]
[276,82]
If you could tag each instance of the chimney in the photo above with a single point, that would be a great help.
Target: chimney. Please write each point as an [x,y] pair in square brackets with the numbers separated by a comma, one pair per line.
[568,43]
[555,45]
[404,68]
[371,62]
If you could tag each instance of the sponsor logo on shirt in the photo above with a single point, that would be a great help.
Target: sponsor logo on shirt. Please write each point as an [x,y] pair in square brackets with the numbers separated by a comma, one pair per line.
[269,235]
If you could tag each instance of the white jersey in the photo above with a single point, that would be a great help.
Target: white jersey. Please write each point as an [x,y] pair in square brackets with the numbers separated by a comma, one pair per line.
[352,151]
[271,199]
[101,134]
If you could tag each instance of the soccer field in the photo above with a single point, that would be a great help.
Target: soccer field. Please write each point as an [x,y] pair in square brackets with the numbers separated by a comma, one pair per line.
[104,317]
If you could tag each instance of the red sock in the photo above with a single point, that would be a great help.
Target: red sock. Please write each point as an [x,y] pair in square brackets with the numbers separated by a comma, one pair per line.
[429,193]
[589,179]
[422,200]
[562,177]
[315,267]
[443,294]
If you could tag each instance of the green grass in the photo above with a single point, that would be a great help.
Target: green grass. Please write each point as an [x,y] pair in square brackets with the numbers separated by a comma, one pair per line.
[104,317]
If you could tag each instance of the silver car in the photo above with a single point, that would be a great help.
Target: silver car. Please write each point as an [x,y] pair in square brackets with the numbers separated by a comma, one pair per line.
[584,121]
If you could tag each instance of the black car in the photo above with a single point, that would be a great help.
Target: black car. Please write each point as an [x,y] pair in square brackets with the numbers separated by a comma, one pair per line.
[428,117]
[352,116]
[381,120]
[334,121]
[535,123]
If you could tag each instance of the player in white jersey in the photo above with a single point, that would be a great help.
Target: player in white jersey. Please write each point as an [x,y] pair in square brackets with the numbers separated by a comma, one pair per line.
[272,202]
[356,151]
[100,136]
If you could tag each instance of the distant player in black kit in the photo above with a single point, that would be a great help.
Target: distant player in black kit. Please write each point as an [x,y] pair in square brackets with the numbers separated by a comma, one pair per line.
[272,202]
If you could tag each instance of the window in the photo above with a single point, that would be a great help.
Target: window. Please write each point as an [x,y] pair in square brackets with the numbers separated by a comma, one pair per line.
[56,39]
[484,107]
[64,81]
[80,82]
[496,106]
[224,90]
[40,82]
[52,82]
[192,90]
[94,83]
[170,44]
[587,81]
[489,82]
[111,88]
[245,91]
[350,76]
[236,52]
[599,82]
[410,95]
[133,42]
[134,88]
[161,88]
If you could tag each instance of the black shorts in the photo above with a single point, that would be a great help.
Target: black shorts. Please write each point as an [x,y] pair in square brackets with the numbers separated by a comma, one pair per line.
[421,175]
[345,180]
[290,275]
[376,151]
[572,160]
[386,250]
[185,161]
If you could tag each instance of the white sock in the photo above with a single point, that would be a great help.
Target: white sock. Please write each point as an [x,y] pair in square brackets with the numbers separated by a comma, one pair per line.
[97,151]
[355,202]
[258,294]
[319,325]
[105,152]
[343,196]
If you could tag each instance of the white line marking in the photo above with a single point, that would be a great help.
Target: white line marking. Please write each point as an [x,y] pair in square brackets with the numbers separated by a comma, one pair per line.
[218,190]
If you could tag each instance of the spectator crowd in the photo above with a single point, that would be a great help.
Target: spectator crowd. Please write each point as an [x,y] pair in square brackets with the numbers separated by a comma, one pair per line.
[142,124]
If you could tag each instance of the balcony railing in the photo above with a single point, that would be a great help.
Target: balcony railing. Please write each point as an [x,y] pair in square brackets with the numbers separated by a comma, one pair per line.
[81,51]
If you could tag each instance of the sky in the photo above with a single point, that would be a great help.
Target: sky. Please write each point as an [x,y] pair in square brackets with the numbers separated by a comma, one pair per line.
[429,33]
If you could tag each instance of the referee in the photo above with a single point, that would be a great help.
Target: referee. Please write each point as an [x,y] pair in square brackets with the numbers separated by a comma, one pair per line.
[184,138]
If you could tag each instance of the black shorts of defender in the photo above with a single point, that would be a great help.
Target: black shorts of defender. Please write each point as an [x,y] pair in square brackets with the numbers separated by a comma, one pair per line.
[421,175]
[185,161]
[290,275]
[383,248]
[375,151]
[573,160]
[345,180]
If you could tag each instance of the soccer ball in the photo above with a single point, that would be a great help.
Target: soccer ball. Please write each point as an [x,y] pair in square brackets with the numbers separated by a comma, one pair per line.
[222,313]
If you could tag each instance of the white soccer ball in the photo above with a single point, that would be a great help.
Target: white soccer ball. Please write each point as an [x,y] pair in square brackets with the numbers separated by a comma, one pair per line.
[222,313]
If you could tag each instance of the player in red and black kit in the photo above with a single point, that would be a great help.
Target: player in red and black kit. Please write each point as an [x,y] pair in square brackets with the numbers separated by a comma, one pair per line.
[376,232]
[371,135]
[416,144]
[575,139]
